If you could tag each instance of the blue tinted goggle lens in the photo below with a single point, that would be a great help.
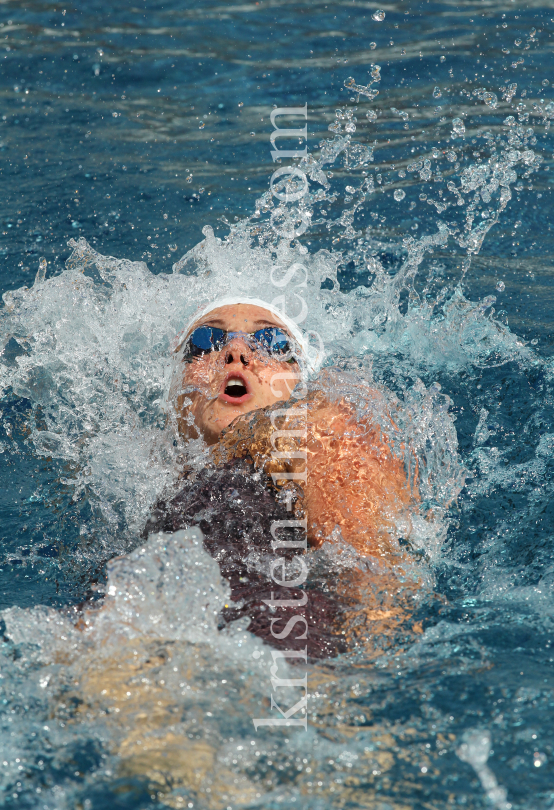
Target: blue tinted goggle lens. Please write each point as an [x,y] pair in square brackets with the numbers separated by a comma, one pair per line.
[273,339]
[208,339]
[203,340]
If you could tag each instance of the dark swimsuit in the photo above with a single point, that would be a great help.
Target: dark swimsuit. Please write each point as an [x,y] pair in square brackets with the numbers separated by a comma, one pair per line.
[234,506]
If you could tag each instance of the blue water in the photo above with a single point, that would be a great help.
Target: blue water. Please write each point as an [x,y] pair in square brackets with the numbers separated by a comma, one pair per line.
[135,128]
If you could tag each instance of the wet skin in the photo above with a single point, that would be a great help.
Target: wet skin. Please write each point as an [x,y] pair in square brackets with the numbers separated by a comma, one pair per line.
[237,379]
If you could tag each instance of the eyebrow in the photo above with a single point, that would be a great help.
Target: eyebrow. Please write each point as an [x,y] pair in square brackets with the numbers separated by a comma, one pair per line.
[257,322]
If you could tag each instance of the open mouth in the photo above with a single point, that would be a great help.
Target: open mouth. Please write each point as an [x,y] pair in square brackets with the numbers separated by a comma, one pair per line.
[235,389]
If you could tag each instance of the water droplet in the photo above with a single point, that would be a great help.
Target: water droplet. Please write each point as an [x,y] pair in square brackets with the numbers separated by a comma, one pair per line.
[490,100]
[399,194]
[378,15]
[458,127]
[500,286]
[41,272]
[437,92]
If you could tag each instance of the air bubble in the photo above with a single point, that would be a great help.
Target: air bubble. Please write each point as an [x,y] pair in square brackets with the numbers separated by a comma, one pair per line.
[399,194]
[378,15]
[371,115]
[372,45]
[500,286]
[437,92]
[442,59]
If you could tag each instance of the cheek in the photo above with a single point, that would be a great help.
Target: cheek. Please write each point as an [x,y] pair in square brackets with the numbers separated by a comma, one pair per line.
[196,387]
[198,374]
[277,381]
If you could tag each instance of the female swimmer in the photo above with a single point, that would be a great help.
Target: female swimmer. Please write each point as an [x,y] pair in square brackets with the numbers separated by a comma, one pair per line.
[279,453]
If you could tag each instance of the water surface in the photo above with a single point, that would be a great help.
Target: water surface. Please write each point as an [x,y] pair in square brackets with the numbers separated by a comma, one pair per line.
[134,128]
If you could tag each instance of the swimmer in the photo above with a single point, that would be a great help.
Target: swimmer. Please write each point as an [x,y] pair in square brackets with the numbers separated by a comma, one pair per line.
[242,355]
[281,452]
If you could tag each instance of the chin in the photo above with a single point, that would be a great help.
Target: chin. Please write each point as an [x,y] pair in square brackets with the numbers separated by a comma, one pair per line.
[226,416]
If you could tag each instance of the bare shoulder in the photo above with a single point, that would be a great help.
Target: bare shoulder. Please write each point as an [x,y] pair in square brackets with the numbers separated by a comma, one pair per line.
[338,420]
[356,484]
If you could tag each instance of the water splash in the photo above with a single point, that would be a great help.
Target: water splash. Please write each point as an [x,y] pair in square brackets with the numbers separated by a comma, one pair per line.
[475,750]
[93,343]
[88,350]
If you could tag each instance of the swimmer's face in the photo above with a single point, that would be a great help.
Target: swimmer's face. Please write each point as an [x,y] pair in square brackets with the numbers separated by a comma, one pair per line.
[235,380]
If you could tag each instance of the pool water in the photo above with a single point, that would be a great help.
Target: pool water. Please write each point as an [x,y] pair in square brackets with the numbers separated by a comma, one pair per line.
[143,134]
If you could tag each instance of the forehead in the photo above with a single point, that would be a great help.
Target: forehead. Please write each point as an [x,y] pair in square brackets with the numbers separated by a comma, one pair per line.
[240,318]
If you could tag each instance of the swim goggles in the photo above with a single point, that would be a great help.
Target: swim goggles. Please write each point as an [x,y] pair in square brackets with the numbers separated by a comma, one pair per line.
[206,339]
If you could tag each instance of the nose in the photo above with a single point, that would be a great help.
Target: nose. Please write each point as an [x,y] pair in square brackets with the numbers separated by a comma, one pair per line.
[237,351]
